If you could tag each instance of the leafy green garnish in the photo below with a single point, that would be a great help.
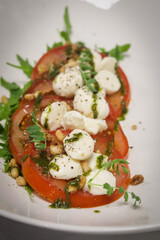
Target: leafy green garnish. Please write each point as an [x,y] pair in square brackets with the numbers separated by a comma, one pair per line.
[87,70]
[36,134]
[25,66]
[29,190]
[121,190]
[56,44]
[66,34]
[110,189]
[42,161]
[4,149]
[13,102]
[26,86]
[117,52]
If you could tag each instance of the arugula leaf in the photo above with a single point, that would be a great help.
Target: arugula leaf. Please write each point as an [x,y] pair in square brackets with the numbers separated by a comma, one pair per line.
[13,102]
[29,189]
[36,134]
[66,34]
[56,44]
[26,86]
[25,66]
[118,51]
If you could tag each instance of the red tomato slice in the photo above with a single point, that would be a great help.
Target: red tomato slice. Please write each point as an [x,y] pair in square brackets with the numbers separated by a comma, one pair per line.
[18,141]
[52,189]
[58,55]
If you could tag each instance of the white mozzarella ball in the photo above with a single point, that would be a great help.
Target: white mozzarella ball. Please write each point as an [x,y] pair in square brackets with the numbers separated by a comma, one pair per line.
[103,177]
[64,167]
[52,115]
[73,120]
[96,59]
[96,160]
[78,145]
[108,81]
[66,83]
[108,63]
[84,100]
[94,126]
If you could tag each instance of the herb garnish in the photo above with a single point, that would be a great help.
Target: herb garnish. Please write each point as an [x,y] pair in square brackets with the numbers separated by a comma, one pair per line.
[117,52]
[75,138]
[124,111]
[25,66]
[36,134]
[42,161]
[111,164]
[66,34]
[56,44]
[87,70]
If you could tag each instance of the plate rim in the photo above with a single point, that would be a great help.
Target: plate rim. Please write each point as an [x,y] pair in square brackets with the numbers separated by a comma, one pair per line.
[111,230]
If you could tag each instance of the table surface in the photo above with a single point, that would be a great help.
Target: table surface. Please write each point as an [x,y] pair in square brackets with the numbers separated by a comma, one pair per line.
[11,230]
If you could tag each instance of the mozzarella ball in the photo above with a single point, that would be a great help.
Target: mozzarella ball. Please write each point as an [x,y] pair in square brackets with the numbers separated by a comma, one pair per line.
[103,177]
[84,100]
[108,63]
[73,120]
[94,126]
[52,115]
[78,145]
[64,167]
[96,160]
[108,81]
[96,59]
[66,83]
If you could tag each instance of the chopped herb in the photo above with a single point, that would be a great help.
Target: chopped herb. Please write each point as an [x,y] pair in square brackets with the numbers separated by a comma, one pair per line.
[75,138]
[124,110]
[109,150]
[99,161]
[29,190]
[23,159]
[42,161]
[94,106]
[54,166]
[24,66]
[97,211]
[59,203]
[116,125]
[37,102]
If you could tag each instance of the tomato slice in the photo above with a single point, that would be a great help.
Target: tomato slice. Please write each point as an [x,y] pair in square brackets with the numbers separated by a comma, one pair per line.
[52,189]
[57,55]
[19,139]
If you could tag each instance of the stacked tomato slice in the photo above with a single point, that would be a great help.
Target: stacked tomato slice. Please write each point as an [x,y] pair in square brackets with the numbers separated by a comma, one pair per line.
[112,141]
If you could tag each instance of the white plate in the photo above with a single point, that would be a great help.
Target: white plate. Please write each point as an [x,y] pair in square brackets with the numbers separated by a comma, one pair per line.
[26,27]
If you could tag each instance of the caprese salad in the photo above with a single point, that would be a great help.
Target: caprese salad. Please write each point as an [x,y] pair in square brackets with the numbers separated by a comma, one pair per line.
[62,137]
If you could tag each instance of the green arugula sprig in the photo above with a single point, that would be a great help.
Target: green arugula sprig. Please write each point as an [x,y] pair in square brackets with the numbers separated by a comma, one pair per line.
[56,44]
[66,34]
[110,189]
[36,134]
[87,70]
[117,52]
[25,66]
[6,110]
